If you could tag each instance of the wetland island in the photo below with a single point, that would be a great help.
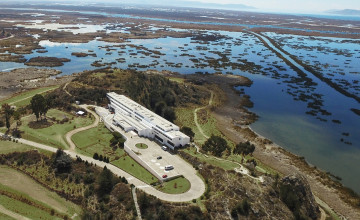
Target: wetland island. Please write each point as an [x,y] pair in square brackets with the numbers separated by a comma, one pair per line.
[182,111]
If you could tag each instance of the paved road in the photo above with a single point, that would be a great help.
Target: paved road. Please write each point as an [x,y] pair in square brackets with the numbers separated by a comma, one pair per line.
[71,133]
[196,190]
[149,155]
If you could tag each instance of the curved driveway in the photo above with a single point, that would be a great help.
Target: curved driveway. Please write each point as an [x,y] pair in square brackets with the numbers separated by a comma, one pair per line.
[197,187]
[71,133]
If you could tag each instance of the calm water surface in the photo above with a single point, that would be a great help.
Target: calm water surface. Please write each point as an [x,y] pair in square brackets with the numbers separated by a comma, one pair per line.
[283,117]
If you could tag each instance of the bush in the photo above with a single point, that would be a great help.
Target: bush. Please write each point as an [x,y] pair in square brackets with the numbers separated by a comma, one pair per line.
[216,145]
[188,131]
[242,208]
[61,162]
[89,178]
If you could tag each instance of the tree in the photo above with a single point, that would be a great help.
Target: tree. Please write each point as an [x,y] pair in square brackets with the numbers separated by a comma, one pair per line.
[96,156]
[244,148]
[62,162]
[242,208]
[106,182]
[216,145]
[17,117]
[8,112]
[188,131]
[38,105]
[117,140]
[169,114]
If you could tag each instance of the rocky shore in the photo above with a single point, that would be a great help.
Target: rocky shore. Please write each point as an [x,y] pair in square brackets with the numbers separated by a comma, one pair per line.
[28,78]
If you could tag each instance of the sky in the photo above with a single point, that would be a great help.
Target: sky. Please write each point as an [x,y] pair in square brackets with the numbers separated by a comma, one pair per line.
[284,6]
[293,5]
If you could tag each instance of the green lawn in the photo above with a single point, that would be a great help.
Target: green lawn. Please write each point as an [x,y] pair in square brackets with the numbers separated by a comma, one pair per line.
[141,146]
[97,140]
[24,209]
[130,166]
[23,99]
[175,186]
[20,187]
[9,146]
[185,117]
[226,165]
[175,79]
[5,217]
[55,134]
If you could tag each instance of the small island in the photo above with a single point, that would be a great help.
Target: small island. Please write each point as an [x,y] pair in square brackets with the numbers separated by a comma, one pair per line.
[47,61]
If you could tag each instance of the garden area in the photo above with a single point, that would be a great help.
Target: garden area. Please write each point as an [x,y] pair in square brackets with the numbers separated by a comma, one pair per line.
[98,140]
[175,186]
[52,132]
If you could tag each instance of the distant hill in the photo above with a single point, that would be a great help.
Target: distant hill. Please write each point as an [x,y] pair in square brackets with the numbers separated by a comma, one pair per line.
[181,3]
[196,4]
[351,12]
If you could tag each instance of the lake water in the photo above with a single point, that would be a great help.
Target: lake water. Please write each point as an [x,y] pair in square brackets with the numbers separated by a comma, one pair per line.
[278,92]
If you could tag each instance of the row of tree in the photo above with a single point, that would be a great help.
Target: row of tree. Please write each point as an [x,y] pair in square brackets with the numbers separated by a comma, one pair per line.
[218,145]
[100,157]
[117,140]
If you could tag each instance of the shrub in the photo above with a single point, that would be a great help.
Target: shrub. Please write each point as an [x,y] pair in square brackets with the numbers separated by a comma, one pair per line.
[61,162]
[216,145]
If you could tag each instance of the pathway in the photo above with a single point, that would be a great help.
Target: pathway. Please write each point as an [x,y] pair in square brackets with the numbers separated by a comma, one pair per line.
[200,108]
[7,37]
[136,203]
[241,169]
[11,213]
[192,193]
[20,100]
[64,88]
[71,133]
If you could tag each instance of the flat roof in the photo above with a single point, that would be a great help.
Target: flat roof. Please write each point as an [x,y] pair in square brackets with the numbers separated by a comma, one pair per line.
[153,117]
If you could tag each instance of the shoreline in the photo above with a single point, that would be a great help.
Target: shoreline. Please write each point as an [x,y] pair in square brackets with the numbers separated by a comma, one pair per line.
[296,163]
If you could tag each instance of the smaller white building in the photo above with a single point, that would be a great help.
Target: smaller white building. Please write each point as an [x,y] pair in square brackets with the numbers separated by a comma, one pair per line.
[131,116]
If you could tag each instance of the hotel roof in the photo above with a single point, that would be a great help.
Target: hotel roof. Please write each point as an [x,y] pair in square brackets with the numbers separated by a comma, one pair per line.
[162,123]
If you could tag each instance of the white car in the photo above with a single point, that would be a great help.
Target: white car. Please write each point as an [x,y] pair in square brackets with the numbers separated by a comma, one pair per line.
[169,167]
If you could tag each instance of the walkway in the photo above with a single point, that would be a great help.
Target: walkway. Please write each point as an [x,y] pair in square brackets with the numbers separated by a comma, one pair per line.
[64,89]
[196,190]
[29,97]
[200,108]
[71,133]
[11,213]
[241,169]
[136,203]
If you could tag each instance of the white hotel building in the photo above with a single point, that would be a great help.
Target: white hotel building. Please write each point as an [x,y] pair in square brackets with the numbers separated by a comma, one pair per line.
[131,116]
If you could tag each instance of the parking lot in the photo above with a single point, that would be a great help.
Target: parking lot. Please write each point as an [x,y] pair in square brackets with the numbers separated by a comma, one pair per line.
[149,155]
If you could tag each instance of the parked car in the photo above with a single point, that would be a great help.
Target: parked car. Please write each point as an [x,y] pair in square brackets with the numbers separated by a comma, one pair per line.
[164,176]
[169,167]
[164,148]
[159,157]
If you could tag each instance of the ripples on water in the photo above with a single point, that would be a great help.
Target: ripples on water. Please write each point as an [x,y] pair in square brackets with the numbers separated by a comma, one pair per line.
[281,96]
